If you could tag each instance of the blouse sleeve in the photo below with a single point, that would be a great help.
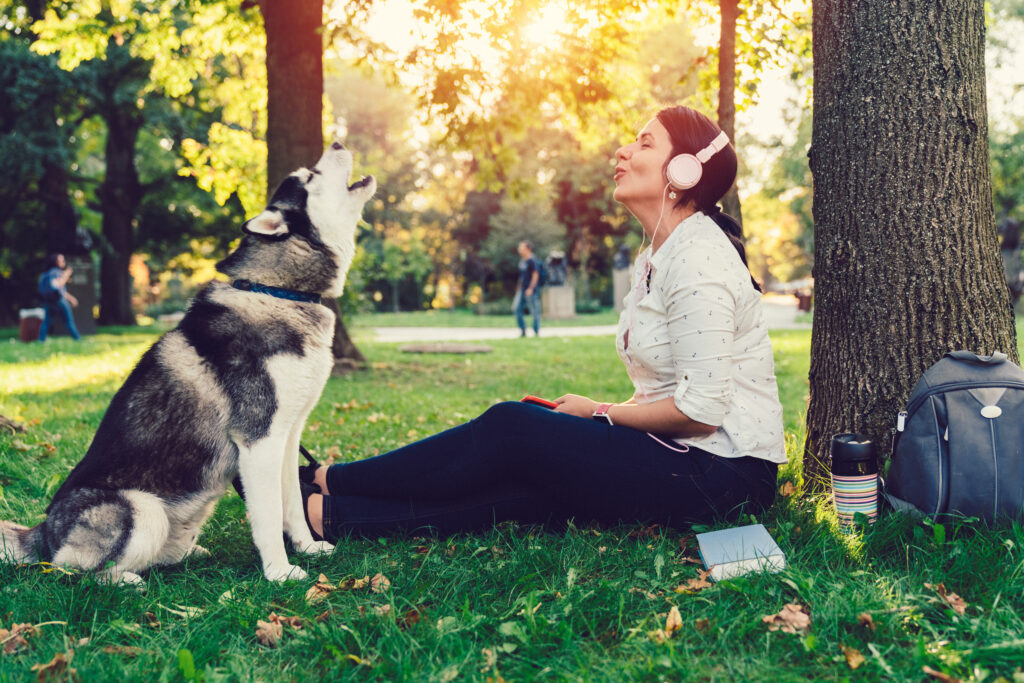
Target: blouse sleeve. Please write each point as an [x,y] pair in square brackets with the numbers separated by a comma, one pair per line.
[700,308]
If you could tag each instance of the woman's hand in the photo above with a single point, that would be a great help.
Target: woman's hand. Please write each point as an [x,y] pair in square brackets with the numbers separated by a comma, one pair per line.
[573,404]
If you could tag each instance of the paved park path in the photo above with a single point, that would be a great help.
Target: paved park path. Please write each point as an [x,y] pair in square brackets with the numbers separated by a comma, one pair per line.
[780,314]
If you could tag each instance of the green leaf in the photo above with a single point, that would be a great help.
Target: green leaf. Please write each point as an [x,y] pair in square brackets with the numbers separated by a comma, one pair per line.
[659,564]
[186,664]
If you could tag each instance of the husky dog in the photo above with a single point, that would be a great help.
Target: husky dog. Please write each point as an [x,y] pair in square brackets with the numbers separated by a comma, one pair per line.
[227,392]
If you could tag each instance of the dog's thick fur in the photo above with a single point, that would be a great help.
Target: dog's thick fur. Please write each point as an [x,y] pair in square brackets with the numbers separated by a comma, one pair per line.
[227,392]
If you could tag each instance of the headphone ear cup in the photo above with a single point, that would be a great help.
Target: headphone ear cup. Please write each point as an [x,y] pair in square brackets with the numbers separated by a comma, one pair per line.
[683,171]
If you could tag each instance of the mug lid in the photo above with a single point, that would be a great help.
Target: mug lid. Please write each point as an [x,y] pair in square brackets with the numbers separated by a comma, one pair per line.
[851,446]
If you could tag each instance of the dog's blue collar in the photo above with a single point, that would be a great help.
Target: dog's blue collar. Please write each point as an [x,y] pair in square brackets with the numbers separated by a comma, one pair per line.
[279,292]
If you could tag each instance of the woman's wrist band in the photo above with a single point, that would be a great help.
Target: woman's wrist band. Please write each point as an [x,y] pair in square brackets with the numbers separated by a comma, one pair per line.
[601,413]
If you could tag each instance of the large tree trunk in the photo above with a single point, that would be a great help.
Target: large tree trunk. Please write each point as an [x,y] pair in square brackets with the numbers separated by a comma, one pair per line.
[295,87]
[907,263]
[727,92]
[121,192]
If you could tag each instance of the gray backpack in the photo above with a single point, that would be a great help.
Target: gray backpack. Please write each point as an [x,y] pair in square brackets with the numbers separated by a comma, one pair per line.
[959,446]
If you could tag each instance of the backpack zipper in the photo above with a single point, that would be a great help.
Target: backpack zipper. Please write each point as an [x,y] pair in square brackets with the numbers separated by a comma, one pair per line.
[951,386]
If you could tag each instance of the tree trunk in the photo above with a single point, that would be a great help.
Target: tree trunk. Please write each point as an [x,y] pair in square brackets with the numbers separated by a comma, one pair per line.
[119,199]
[727,92]
[118,84]
[295,87]
[907,263]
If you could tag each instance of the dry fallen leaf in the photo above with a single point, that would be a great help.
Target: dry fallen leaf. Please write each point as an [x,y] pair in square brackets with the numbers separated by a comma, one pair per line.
[697,584]
[320,590]
[865,620]
[787,489]
[324,616]
[702,624]
[490,656]
[792,618]
[410,618]
[126,650]
[382,610]
[853,657]
[354,584]
[269,632]
[151,620]
[13,639]
[938,675]
[646,593]
[952,599]
[57,669]
[379,583]
[674,622]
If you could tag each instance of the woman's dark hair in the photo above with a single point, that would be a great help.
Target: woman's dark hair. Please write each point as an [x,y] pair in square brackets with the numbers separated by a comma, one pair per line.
[690,131]
[53,260]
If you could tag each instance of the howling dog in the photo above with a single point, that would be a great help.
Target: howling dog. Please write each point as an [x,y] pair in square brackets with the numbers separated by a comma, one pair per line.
[226,393]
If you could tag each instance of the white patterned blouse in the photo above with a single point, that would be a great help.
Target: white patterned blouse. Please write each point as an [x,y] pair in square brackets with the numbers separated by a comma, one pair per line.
[695,330]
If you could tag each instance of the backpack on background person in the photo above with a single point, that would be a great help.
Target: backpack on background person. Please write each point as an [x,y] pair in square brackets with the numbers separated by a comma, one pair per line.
[959,445]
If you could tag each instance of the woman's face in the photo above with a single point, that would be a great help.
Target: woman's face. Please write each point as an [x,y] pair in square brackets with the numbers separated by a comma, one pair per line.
[640,172]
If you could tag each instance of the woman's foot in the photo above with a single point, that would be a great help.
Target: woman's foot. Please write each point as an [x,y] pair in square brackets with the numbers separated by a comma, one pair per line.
[319,478]
[313,507]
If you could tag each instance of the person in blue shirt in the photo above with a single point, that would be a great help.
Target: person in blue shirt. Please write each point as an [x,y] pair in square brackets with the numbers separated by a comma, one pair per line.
[528,291]
[56,300]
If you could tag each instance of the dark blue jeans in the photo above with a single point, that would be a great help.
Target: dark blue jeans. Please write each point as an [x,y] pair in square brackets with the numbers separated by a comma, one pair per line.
[533,301]
[527,463]
[58,308]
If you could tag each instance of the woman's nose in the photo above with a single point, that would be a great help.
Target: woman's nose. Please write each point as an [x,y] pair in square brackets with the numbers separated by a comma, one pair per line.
[621,152]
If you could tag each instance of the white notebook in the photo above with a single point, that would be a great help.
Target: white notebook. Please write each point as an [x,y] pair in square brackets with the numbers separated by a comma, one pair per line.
[740,550]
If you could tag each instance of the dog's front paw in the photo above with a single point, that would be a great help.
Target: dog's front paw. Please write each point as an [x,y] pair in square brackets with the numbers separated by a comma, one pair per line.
[287,572]
[315,548]
[197,551]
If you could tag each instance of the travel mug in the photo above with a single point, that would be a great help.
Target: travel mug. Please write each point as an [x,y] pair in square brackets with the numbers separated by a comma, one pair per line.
[854,477]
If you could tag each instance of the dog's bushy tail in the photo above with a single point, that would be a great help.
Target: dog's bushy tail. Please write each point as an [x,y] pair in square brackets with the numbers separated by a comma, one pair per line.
[19,543]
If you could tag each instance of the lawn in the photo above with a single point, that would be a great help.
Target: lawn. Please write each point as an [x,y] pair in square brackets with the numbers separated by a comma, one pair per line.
[515,604]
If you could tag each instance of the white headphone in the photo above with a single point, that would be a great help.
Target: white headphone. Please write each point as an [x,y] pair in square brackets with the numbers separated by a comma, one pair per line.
[684,170]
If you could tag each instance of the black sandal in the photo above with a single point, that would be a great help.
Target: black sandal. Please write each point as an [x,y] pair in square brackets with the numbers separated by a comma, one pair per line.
[308,490]
[308,472]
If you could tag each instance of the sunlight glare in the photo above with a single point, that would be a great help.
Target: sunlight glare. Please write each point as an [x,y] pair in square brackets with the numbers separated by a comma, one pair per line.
[548,26]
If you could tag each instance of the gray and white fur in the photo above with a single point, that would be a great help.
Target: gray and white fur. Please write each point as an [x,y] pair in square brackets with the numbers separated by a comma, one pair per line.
[226,392]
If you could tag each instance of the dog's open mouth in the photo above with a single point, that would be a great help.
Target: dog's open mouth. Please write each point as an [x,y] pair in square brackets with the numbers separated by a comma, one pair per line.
[362,182]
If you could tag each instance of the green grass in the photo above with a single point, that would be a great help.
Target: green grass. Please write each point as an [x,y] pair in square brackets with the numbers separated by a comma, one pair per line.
[515,602]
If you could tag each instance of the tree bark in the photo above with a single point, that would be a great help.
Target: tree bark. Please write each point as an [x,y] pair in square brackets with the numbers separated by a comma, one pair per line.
[907,263]
[119,195]
[727,92]
[295,87]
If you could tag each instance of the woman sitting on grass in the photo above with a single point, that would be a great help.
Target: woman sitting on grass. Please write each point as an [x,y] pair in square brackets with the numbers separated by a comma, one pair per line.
[701,437]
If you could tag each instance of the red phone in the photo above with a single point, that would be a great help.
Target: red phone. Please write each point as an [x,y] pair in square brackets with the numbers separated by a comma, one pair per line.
[538,401]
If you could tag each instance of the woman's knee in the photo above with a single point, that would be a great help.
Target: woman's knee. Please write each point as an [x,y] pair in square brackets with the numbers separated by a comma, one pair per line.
[507,416]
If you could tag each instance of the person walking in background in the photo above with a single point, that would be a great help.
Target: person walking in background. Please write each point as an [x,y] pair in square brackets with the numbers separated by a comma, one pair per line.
[56,300]
[528,291]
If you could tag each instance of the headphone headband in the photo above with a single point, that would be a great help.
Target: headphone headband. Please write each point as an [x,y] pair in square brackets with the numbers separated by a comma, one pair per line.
[715,145]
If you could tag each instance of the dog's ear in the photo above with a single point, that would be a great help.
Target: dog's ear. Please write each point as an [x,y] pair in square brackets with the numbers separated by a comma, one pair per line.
[270,224]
